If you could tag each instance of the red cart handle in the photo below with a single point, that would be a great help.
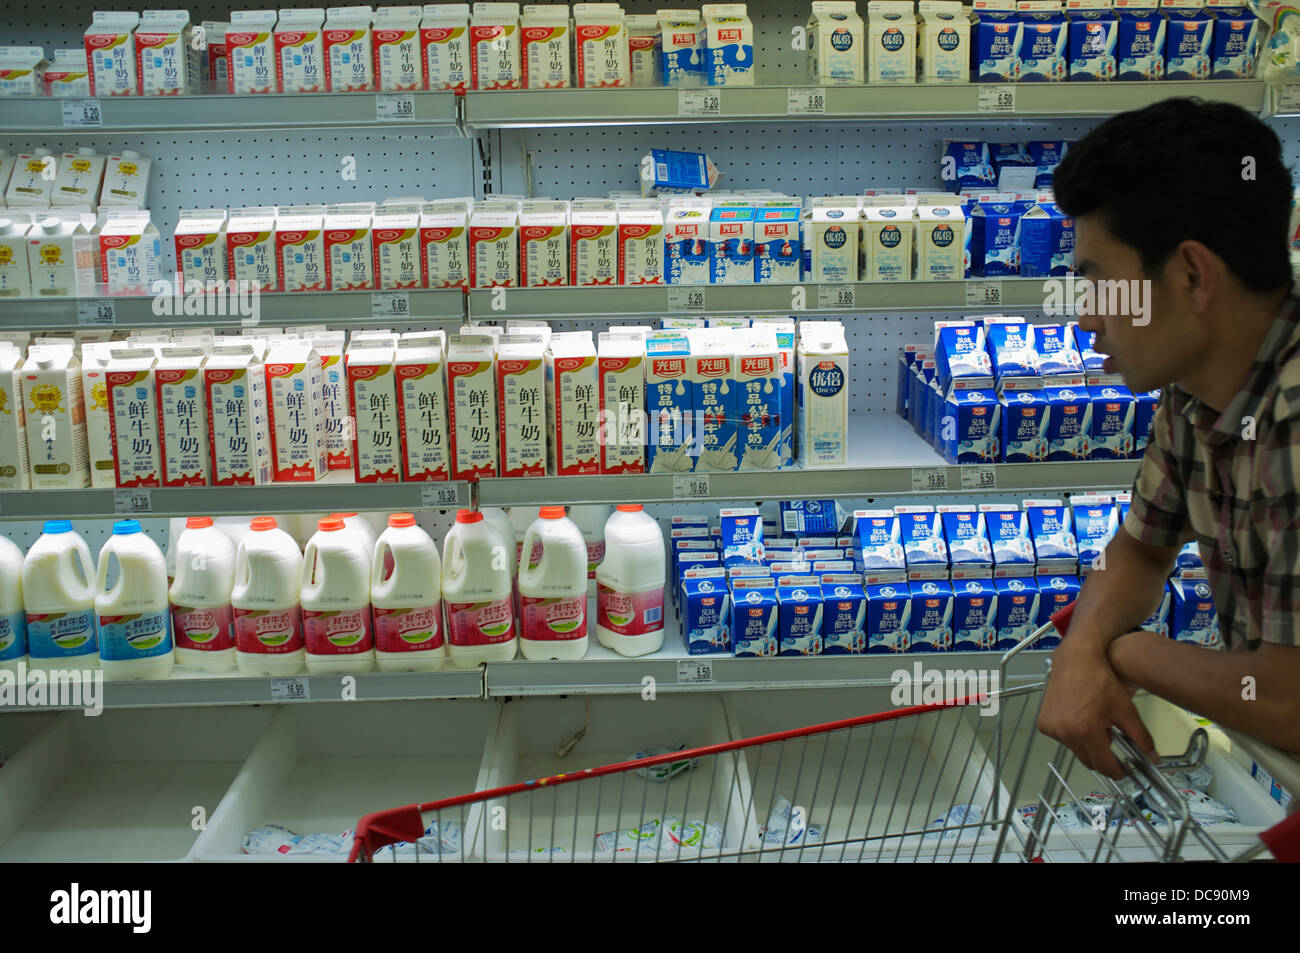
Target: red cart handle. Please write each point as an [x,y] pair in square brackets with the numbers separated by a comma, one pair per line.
[1283,839]
[1061,617]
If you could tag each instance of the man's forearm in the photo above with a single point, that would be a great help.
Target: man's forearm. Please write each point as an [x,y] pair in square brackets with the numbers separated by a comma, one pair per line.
[1121,592]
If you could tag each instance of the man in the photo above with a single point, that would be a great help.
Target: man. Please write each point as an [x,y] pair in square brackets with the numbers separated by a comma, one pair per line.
[1188,204]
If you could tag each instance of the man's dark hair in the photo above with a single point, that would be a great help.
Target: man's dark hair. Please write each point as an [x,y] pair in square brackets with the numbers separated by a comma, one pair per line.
[1178,170]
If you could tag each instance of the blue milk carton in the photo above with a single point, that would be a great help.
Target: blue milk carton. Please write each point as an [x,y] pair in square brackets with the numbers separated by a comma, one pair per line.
[681,46]
[1056,351]
[1046,241]
[877,541]
[811,516]
[1008,531]
[1069,422]
[1015,169]
[1158,620]
[974,612]
[921,533]
[799,604]
[692,558]
[1011,346]
[1112,422]
[995,46]
[1189,557]
[1043,42]
[995,239]
[930,626]
[714,398]
[1058,586]
[889,612]
[1144,415]
[669,404]
[1051,528]
[1192,616]
[844,613]
[757,379]
[971,430]
[778,246]
[728,45]
[906,357]
[1025,419]
[731,246]
[1235,49]
[1086,343]
[936,407]
[1093,30]
[968,541]
[1047,155]
[917,380]
[960,354]
[742,537]
[1017,608]
[753,617]
[966,165]
[687,255]
[1189,32]
[1096,520]
[706,625]
[1140,41]
[682,538]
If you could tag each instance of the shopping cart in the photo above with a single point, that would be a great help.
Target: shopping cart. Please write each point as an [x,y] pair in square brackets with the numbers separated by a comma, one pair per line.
[929,782]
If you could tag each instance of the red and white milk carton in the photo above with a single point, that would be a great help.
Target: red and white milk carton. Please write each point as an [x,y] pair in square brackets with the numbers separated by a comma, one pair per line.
[496,60]
[250,248]
[182,415]
[349,250]
[543,244]
[130,253]
[218,59]
[372,389]
[68,75]
[334,386]
[444,244]
[396,40]
[422,406]
[645,63]
[110,52]
[602,46]
[572,404]
[641,244]
[250,52]
[494,245]
[349,53]
[166,58]
[200,241]
[593,243]
[396,236]
[234,387]
[133,416]
[521,404]
[296,399]
[300,248]
[444,46]
[544,36]
[300,51]
[622,428]
[472,407]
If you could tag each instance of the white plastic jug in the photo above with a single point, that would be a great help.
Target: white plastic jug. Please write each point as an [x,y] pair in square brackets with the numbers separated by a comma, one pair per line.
[336,601]
[406,598]
[13,621]
[476,593]
[630,584]
[268,619]
[202,620]
[59,595]
[521,517]
[496,517]
[358,525]
[591,520]
[134,619]
[553,591]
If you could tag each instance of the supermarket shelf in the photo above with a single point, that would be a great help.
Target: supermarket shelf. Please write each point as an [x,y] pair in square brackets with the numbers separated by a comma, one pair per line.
[602,107]
[270,112]
[886,457]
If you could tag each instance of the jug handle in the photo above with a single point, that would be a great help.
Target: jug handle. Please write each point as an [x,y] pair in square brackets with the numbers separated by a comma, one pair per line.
[453,551]
[526,550]
[241,565]
[382,547]
[87,564]
[101,577]
[308,564]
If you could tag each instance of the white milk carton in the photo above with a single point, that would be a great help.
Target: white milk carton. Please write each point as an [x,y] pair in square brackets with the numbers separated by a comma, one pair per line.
[338,406]
[731,246]
[372,393]
[602,46]
[494,245]
[521,403]
[99,437]
[681,47]
[496,61]
[22,71]
[543,244]
[250,248]
[61,258]
[250,52]
[686,240]
[56,418]
[126,181]
[833,234]
[349,52]
[300,248]
[79,179]
[822,394]
[201,248]
[15,472]
[472,407]
[395,35]
[130,253]
[182,416]
[728,44]
[31,183]
[621,359]
[396,237]
[944,42]
[166,58]
[296,401]
[110,50]
[444,46]
[640,244]
[300,51]
[216,72]
[68,75]
[940,250]
[544,36]
[422,406]
[15,278]
[349,248]
[891,41]
[593,242]
[836,44]
[572,404]
[645,62]
[444,245]
[234,386]
[887,243]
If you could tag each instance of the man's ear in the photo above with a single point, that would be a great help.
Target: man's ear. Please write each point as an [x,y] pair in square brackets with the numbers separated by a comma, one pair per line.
[1197,272]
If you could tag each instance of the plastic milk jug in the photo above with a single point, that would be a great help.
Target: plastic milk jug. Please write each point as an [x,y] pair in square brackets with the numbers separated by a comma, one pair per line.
[204,575]
[406,598]
[630,584]
[553,590]
[134,619]
[268,619]
[336,601]
[58,581]
[476,593]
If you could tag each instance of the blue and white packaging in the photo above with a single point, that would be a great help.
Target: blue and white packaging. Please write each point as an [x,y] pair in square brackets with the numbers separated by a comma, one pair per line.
[1140,41]
[1236,40]
[706,625]
[1158,620]
[778,245]
[995,239]
[974,614]
[688,559]
[1043,42]
[921,533]
[811,516]
[1025,420]
[971,431]
[936,407]
[669,171]
[1093,33]
[742,537]
[1016,612]
[1056,350]
[906,357]
[1046,155]
[1008,532]
[918,381]
[968,541]
[799,605]
[1014,168]
[714,393]
[1086,341]
[681,46]
[1192,616]
[1069,422]
[728,44]
[1189,557]
[1051,528]
[1046,242]
[753,617]
[1123,499]
[966,165]
[996,41]
[1189,32]
[960,353]
[930,626]
[1144,415]
[682,547]
[731,246]
[687,254]
[889,614]
[1056,590]
[669,404]
[760,428]
[1096,520]
[1012,348]
[877,541]
[844,613]
[1113,412]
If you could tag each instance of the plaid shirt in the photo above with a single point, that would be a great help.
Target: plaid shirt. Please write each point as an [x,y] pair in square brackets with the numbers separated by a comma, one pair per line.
[1229,481]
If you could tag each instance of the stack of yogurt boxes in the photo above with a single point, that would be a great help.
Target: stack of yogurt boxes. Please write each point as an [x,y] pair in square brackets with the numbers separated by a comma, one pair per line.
[998,389]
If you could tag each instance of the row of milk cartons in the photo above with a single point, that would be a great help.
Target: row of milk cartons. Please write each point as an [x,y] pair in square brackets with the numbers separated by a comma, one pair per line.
[83,179]
[1095,40]
[998,389]
[885,237]
[894,45]
[75,253]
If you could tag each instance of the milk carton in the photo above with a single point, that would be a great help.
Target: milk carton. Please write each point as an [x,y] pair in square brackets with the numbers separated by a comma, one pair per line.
[56,418]
[31,182]
[1113,409]
[877,541]
[974,434]
[1096,520]
[15,471]
[396,38]
[15,278]
[1025,413]
[94,365]
[681,46]
[931,619]
[622,430]
[888,615]
[1188,34]
[844,614]
[166,58]
[300,51]
[754,616]
[1055,351]
[1236,40]
[201,248]
[300,248]
[1056,590]
[472,410]
[21,70]
[1009,539]
[444,245]
[251,248]
[130,253]
[216,70]
[640,245]
[79,179]
[714,393]
[182,416]
[234,387]
[339,421]
[602,46]
[995,239]
[372,393]
[891,39]
[686,232]
[645,61]
[800,613]
[967,165]
[68,75]
[295,398]
[960,354]
[521,402]
[1046,242]
[822,396]
[593,243]
[974,613]
[761,429]
[1140,40]
[1192,616]
[250,52]
[887,244]
[396,236]
[728,44]
[544,38]
[968,542]
[493,245]
[445,46]
[422,408]
[706,611]
[944,42]
[1043,42]
[349,247]
[349,50]
[126,181]
[1051,526]
[836,44]
[1046,155]
[1144,415]
[921,533]
[572,405]
[669,405]
[1016,610]
[1069,428]
[60,258]
[110,50]
[834,236]
[939,231]
[778,245]
[495,57]
[997,41]
[731,246]
[1093,31]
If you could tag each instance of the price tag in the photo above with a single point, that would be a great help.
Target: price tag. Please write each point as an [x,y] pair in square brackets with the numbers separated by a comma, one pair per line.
[691,486]
[836,296]
[1288,99]
[439,496]
[686,299]
[982,294]
[97,311]
[979,478]
[81,113]
[806,101]
[699,102]
[395,106]
[391,304]
[290,690]
[129,502]
[929,478]
[997,99]
[691,672]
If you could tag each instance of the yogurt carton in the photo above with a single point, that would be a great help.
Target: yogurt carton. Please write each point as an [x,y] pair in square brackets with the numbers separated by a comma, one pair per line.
[974,613]
[1096,520]
[1069,427]
[22,69]
[834,236]
[182,416]
[572,404]
[1051,526]
[496,60]
[1113,411]
[1008,531]
[349,50]
[295,398]
[1140,40]
[1011,344]
[939,231]
[877,541]
[130,253]
[133,416]
[997,40]
[968,543]
[372,394]
[1016,610]
[888,615]
[891,39]
[473,421]
[300,248]
[251,249]
[621,361]
[166,58]
[967,165]
[422,407]
[593,243]
[396,38]
[754,616]
[250,52]
[1025,421]
[681,46]
[349,247]
[728,44]
[645,60]
[1158,620]
[921,533]
[1144,415]
[1188,39]
[494,245]
[887,244]
[971,431]
[995,239]
[1236,41]
[844,614]
[1192,616]
[686,231]
[1093,29]
[68,76]
[1046,155]
[931,620]
[731,246]
[669,405]
[1043,41]
[706,611]
[396,238]
[742,537]
[201,248]
[300,51]
[836,44]
[445,46]
[601,44]
[640,245]
[1056,351]
[79,179]
[800,610]
[944,42]
[1056,590]
[1046,242]
[822,397]
[543,244]
[444,245]
[234,389]
[961,354]
[110,50]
